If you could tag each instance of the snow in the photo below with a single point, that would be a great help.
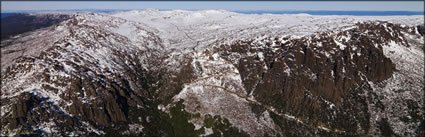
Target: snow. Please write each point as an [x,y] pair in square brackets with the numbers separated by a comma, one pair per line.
[261,56]
[208,131]
[5,109]
[91,129]
[136,128]
[218,85]
[202,26]
[27,41]
[48,127]
[219,91]
[267,120]
[340,45]
[330,104]
[287,70]
[324,128]
[409,63]
[293,118]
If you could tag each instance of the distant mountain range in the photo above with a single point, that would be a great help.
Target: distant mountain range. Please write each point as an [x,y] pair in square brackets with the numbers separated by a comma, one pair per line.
[323,12]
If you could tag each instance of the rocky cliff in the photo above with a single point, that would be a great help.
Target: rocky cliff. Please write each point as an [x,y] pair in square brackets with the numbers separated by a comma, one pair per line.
[103,75]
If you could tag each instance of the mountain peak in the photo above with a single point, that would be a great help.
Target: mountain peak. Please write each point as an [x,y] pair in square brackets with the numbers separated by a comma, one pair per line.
[202,73]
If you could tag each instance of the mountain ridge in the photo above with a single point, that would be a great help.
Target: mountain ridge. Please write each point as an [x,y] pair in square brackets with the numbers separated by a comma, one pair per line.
[107,75]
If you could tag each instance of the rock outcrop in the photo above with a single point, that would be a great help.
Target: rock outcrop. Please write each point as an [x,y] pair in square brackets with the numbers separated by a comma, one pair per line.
[108,76]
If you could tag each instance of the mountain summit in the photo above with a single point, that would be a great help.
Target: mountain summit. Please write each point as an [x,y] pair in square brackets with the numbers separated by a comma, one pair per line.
[215,73]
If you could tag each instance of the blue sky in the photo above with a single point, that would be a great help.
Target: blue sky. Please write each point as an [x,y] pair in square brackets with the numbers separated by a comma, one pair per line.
[234,5]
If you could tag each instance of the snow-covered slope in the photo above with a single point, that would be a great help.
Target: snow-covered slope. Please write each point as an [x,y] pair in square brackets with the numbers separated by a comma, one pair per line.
[215,73]
[200,28]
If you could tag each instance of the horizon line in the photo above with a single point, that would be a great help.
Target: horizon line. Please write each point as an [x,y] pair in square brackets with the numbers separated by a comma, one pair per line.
[219,9]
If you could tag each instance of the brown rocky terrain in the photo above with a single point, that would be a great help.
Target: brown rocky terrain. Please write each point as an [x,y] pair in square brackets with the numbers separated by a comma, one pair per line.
[94,81]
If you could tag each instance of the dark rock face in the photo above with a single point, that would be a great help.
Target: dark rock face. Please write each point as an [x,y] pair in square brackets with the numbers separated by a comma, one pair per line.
[100,101]
[304,75]
[99,97]
[421,29]
[320,79]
